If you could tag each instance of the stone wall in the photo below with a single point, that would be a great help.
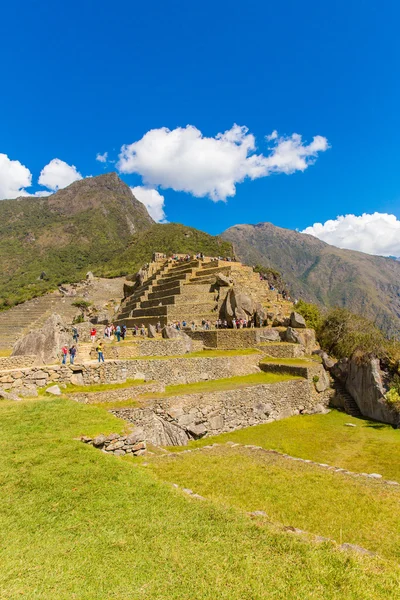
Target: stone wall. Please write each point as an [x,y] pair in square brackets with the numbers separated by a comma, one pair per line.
[16,362]
[148,347]
[167,371]
[229,339]
[128,393]
[119,445]
[281,349]
[175,420]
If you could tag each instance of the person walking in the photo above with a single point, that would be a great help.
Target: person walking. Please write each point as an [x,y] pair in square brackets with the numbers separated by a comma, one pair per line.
[123,331]
[75,334]
[99,350]
[72,353]
[93,333]
[64,354]
[118,333]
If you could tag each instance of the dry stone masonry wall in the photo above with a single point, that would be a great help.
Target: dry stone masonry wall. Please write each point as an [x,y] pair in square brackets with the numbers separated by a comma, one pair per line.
[167,371]
[178,419]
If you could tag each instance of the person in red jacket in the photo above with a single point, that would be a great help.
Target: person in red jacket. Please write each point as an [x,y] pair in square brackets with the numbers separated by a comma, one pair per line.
[64,354]
[93,334]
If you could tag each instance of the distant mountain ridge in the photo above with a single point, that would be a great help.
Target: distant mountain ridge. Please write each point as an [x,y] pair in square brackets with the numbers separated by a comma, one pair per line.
[317,272]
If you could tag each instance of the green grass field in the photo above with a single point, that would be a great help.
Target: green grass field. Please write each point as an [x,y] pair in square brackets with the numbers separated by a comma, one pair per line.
[76,523]
[368,447]
[353,510]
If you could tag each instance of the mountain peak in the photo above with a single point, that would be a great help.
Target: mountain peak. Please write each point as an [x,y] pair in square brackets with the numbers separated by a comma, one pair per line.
[101,192]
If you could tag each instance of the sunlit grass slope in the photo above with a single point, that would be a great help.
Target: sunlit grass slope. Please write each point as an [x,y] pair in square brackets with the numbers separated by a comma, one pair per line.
[75,523]
[369,447]
[353,510]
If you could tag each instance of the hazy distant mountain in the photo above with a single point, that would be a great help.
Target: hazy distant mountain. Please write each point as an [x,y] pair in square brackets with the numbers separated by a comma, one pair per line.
[318,272]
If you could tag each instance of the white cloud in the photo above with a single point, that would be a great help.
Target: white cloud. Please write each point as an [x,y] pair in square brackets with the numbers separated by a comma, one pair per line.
[272,136]
[377,233]
[184,160]
[152,200]
[102,157]
[14,177]
[57,174]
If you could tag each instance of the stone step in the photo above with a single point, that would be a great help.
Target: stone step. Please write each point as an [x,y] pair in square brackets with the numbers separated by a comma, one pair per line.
[173,311]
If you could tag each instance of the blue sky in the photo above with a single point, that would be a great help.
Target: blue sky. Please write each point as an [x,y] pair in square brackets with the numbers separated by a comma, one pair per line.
[89,78]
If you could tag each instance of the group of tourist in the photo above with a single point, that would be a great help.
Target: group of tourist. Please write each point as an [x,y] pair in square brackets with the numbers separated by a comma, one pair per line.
[182,258]
[64,354]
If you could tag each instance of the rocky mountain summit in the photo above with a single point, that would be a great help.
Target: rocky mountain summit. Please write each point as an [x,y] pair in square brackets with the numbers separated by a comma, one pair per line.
[323,274]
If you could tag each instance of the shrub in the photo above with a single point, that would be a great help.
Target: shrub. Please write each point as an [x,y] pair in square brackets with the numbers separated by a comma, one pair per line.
[342,333]
[311,313]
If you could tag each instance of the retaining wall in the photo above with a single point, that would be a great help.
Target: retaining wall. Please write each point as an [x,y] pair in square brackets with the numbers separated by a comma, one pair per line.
[16,362]
[167,371]
[119,395]
[175,420]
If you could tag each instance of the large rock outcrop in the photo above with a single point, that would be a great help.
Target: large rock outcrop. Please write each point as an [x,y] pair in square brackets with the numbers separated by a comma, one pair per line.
[364,382]
[45,343]
[237,305]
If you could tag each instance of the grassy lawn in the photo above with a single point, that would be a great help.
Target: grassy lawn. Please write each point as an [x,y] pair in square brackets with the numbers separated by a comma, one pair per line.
[5,353]
[357,511]
[369,447]
[295,362]
[76,523]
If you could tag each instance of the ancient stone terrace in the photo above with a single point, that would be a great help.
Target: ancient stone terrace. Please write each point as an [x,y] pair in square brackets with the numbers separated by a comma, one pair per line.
[188,291]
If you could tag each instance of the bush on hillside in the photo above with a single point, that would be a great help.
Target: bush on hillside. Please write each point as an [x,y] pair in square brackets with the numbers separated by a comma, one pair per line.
[342,333]
[312,314]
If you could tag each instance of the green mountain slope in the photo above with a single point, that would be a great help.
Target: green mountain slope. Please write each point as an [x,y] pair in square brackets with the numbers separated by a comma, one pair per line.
[318,272]
[64,235]
[94,224]
[168,238]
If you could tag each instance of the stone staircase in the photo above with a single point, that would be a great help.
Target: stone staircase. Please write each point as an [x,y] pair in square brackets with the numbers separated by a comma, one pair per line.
[349,404]
[175,292]
[20,319]
[185,291]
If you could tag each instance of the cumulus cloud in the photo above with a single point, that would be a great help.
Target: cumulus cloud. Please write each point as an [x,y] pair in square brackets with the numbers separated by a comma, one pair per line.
[102,157]
[152,200]
[185,160]
[377,233]
[57,174]
[14,178]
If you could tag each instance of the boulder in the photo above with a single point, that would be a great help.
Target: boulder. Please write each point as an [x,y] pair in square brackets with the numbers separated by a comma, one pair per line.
[46,342]
[89,276]
[170,333]
[297,321]
[366,383]
[99,440]
[223,281]
[269,335]
[196,431]
[77,378]
[28,391]
[326,360]
[237,304]
[323,382]
[151,331]
[135,437]
[8,395]
[54,390]
[292,336]
[280,321]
